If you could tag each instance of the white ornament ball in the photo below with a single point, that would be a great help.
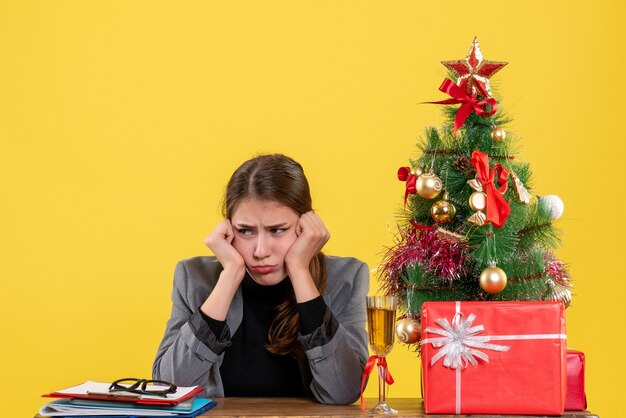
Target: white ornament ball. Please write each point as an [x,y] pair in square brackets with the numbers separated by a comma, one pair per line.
[554,204]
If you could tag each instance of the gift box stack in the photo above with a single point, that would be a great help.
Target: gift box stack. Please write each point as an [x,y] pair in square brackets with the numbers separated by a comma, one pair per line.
[482,293]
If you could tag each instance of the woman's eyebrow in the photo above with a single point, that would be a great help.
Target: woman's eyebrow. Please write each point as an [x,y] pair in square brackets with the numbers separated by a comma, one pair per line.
[244,225]
[278,225]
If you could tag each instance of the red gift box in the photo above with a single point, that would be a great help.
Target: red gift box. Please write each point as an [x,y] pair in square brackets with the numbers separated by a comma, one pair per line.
[494,357]
[575,399]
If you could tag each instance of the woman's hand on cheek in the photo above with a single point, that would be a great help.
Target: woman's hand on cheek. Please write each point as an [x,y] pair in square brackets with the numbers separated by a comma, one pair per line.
[311,237]
[220,242]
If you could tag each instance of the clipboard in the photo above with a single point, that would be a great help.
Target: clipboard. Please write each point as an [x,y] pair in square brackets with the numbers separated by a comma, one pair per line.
[100,391]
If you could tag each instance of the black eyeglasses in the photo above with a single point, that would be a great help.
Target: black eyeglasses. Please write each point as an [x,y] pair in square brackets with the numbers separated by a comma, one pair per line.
[143,386]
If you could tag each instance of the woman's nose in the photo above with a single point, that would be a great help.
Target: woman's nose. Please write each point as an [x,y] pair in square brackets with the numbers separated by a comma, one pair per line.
[262,248]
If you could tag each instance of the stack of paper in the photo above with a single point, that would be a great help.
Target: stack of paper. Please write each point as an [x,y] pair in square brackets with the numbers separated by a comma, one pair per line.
[94,400]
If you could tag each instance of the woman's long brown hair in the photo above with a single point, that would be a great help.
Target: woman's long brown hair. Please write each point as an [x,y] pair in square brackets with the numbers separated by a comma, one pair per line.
[277,178]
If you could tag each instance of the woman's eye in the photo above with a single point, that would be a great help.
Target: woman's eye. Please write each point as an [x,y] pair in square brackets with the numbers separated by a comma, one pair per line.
[278,230]
[244,232]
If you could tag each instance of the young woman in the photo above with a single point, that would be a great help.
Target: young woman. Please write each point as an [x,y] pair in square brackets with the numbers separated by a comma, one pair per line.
[269,314]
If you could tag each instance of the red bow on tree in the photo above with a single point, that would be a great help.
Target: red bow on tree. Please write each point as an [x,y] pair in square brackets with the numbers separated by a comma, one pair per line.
[498,208]
[382,370]
[404,174]
[468,102]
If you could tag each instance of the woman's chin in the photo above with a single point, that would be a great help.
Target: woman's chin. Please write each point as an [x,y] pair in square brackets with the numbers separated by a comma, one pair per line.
[270,279]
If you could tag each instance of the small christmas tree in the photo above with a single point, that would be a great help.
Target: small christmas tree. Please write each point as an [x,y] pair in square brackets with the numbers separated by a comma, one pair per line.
[472,230]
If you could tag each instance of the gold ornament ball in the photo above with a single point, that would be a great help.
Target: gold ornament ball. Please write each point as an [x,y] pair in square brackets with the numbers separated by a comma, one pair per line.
[409,330]
[478,201]
[442,212]
[493,280]
[417,171]
[498,134]
[428,186]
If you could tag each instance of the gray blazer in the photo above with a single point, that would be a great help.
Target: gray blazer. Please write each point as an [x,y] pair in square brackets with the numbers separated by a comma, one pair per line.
[334,368]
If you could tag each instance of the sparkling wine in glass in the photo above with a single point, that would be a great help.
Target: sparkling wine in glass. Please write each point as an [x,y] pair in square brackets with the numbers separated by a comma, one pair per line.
[381,320]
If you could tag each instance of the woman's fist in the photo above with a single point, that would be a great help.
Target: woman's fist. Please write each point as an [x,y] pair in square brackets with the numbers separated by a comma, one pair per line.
[312,235]
[220,242]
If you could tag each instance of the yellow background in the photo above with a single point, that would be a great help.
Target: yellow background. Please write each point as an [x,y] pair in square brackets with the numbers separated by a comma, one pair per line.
[120,123]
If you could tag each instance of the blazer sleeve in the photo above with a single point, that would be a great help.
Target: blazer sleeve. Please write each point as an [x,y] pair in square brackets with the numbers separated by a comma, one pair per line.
[337,350]
[183,358]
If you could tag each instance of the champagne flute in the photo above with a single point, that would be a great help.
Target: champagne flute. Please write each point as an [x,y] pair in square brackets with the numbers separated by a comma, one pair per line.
[381,320]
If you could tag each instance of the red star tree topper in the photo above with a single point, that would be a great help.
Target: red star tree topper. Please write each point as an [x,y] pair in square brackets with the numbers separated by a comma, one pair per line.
[474,72]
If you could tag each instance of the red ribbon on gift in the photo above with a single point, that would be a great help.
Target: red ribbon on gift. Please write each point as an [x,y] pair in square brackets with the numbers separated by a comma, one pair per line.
[404,174]
[468,103]
[498,208]
[369,366]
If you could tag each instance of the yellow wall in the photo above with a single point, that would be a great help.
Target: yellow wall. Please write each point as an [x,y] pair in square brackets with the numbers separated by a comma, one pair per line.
[120,123]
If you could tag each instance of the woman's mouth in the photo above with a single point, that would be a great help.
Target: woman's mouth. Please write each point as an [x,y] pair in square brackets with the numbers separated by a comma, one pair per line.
[263,269]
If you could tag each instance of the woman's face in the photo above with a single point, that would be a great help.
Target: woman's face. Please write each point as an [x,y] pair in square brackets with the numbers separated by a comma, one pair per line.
[264,231]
